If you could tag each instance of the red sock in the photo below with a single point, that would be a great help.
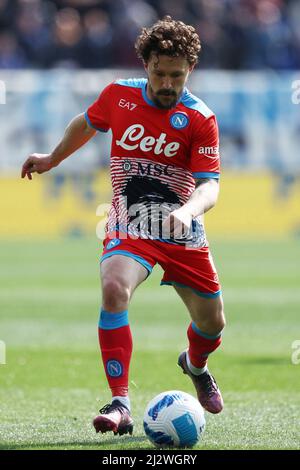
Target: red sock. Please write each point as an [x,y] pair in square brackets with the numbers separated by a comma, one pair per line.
[201,345]
[116,347]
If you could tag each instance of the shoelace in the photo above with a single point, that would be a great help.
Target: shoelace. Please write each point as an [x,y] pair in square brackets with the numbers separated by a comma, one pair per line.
[208,383]
[111,407]
[106,409]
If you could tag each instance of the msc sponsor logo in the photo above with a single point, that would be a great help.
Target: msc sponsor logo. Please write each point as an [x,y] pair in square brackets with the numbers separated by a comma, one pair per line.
[210,152]
[114,368]
[134,138]
[154,169]
[179,120]
[149,169]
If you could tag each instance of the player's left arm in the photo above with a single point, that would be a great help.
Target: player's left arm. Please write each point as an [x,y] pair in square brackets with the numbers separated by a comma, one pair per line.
[202,200]
[205,167]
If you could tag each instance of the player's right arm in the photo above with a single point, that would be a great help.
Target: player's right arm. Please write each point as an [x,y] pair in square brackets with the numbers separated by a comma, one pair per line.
[77,133]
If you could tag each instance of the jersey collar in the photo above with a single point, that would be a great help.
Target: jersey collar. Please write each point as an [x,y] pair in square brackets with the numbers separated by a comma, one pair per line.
[151,103]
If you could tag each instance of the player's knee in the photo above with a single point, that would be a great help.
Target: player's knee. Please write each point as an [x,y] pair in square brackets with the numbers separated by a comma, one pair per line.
[212,326]
[219,319]
[220,323]
[213,321]
[116,294]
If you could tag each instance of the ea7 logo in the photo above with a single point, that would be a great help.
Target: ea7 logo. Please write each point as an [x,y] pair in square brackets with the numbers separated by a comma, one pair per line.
[126,104]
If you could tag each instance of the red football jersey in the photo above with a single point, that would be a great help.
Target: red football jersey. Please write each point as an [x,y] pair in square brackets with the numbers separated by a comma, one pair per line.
[156,155]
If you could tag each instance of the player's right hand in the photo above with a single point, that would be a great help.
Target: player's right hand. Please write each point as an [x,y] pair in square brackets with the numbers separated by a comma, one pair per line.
[36,163]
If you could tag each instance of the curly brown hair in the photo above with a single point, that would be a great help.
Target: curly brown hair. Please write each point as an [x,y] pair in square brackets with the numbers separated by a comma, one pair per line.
[169,37]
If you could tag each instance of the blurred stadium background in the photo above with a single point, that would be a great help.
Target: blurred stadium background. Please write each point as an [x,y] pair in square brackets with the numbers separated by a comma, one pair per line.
[55,58]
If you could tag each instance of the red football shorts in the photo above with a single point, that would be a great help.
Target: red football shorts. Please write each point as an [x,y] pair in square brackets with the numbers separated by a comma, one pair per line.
[192,267]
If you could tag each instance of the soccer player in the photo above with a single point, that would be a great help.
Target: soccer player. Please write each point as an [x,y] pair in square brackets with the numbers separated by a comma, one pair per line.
[165,176]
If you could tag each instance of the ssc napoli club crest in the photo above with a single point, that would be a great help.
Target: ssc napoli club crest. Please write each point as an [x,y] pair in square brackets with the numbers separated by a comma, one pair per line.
[179,120]
[113,243]
[114,368]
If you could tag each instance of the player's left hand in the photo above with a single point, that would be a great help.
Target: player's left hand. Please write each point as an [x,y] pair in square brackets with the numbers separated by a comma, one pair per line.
[177,224]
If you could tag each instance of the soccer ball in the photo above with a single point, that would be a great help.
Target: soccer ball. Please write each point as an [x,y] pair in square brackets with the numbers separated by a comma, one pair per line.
[174,419]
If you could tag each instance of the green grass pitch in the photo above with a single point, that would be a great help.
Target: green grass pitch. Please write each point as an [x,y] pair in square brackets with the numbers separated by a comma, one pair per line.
[53,383]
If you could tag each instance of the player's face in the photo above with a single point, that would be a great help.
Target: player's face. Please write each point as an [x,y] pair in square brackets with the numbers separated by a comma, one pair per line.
[166,79]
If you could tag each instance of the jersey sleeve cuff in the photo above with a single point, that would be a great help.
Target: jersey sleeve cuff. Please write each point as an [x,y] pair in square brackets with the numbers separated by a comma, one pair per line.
[92,125]
[207,174]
